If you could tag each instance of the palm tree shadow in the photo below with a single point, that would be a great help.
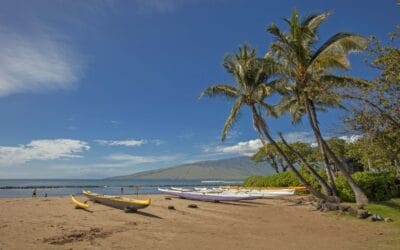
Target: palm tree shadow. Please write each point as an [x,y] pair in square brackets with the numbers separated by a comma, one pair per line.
[235,204]
[253,202]
[87,210]
[148,215]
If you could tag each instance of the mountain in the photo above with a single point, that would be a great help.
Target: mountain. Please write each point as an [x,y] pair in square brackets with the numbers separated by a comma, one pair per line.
[229,169]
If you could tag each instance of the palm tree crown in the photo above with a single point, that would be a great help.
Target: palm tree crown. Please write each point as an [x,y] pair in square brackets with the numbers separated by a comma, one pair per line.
[310,70]
[251,74]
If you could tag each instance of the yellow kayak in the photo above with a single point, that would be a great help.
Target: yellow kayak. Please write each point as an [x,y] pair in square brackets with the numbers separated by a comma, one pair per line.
[118,202]
[79,204]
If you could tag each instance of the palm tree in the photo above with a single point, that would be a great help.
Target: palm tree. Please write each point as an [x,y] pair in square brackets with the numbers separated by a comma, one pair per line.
[311,83]
[268,154]
[252,87]
[297,153]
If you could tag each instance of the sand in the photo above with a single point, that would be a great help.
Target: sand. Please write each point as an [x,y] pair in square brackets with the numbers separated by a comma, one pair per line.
[279,223]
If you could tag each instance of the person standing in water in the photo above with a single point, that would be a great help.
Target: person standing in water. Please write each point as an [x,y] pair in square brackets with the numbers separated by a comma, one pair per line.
[122,190]
[34,192]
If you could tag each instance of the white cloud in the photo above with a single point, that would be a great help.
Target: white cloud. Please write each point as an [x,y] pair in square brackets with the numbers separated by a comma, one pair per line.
[42,150]
[129,160]
[127,143]
[35,64]
[299,136]
[350,138]
[247,148]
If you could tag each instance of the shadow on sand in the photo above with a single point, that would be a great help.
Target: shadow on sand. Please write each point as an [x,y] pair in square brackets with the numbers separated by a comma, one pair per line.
[148,214]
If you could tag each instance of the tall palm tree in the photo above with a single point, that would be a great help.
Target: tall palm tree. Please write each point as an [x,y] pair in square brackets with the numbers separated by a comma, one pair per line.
[311,82]
[251,74]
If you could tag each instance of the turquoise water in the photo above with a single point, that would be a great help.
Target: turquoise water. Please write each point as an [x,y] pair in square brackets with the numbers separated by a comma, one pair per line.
[61,187]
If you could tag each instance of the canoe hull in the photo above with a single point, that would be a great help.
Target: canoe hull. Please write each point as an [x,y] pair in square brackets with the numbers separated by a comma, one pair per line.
[205,196]
[117,202]
[79,204]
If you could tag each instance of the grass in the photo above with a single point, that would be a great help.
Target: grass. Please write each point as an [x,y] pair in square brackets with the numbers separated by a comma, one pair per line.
[386,209]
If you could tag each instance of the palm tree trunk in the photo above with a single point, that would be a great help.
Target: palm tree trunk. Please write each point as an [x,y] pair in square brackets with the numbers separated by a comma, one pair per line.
[361,198]
[274,163]
[328,169]
[261,127]
[322,182]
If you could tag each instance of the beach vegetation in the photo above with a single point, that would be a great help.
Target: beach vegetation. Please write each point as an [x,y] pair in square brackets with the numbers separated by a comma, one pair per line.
[253,85]
[310,77]
[311,84]
[377,186]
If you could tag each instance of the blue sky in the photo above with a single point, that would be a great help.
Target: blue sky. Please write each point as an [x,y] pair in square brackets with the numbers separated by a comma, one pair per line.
[91,89]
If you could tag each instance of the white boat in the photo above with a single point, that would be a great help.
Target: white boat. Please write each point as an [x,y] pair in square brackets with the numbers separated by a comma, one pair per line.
[263,192]
[182,189]
[209,196]
[209,190]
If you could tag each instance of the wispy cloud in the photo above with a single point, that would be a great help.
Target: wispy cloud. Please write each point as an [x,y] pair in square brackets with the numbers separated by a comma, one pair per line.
[128,159]
[250,147]
[114,164]
[299,136]
[126,143]
[350,138]
[42,150]
[35,63]
[247,148]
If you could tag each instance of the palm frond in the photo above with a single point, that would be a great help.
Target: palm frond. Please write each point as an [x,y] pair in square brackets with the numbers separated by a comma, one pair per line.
[269,109]
[330,61]
[275,31]
[344,81]
[261,92]
[224,90]
[291,105]
[313,21]
[232,116]
[339,45]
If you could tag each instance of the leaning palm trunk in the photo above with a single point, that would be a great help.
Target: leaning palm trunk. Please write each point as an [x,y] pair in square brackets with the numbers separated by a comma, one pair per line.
[261,127]
[274,164]
[328,169]
[361,198]
[322,182]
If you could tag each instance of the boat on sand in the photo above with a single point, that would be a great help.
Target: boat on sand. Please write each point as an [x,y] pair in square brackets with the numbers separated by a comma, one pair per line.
[128,205]
[208,196]
[79,204]
[264,191]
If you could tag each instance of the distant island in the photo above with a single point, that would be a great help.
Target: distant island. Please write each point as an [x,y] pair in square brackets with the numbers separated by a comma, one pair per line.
[237,168]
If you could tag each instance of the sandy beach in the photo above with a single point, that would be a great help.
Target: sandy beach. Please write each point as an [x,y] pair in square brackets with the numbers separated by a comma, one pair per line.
[280,223]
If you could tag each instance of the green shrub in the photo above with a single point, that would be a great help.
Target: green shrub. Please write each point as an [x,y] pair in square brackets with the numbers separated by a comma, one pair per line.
[310,179]
[377,186]
[284,179]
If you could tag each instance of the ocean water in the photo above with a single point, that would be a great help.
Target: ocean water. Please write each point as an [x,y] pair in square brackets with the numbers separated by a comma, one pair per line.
[62,187]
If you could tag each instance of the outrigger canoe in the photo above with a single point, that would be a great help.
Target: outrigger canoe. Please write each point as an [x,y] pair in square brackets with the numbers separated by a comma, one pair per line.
[207,196]
[128,205]
[300,188]
[79,204]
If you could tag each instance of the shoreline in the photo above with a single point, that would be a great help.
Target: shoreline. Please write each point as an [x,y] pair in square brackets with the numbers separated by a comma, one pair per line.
[273,223]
